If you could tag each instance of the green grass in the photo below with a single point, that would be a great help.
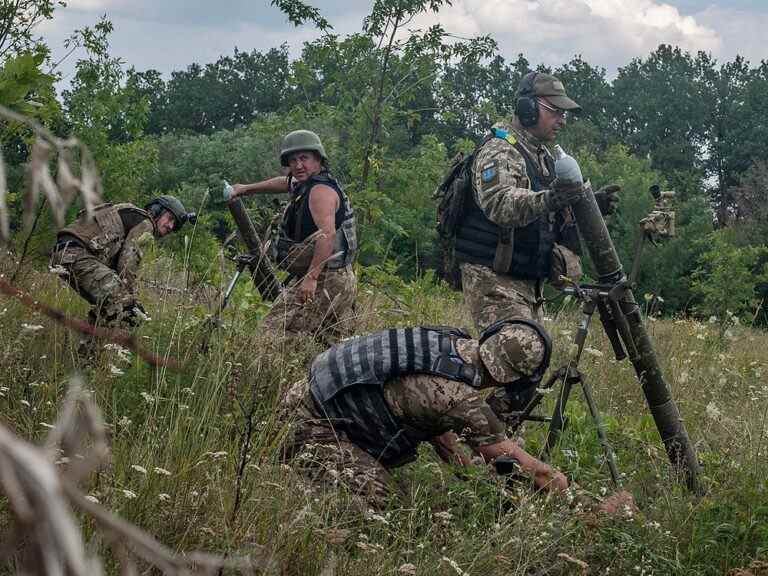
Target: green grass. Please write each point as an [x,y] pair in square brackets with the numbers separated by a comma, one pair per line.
[191,425]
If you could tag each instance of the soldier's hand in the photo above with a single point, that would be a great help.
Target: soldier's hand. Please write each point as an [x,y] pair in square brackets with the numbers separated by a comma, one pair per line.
[563,194]
[618,503]
[608,198]
[307,289]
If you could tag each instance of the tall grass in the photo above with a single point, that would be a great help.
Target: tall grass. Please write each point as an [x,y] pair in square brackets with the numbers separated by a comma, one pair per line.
[196,453]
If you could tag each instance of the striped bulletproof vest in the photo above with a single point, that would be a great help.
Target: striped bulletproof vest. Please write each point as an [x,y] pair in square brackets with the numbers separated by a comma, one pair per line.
[347,382]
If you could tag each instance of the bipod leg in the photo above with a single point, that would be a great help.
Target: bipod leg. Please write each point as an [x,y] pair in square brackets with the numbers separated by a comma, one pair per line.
[602,437]
[559,419]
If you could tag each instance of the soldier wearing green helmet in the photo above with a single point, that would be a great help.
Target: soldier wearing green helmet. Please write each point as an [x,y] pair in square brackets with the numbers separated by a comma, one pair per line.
[99,257]
[316,241]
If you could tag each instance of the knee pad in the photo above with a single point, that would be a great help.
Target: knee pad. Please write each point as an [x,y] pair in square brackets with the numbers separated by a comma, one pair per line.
[516,350]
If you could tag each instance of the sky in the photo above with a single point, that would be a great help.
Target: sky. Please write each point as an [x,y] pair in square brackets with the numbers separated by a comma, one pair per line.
[171,34]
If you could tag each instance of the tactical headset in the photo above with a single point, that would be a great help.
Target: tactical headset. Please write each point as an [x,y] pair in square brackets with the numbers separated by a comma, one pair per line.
[527,107]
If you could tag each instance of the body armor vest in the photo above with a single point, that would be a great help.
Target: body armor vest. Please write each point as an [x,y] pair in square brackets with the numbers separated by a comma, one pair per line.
[297,224]
[347,384]
[104,234]
[478,238]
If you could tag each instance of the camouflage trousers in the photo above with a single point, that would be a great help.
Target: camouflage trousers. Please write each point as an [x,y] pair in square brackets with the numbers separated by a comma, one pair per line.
[328,316]
[112,301]
[327,458]
[491,297]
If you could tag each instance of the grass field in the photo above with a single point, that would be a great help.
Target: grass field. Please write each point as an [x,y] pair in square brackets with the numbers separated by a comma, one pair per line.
[195,452]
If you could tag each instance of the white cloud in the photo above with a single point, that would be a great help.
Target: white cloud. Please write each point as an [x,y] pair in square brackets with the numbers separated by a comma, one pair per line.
[743,32]
[606,32]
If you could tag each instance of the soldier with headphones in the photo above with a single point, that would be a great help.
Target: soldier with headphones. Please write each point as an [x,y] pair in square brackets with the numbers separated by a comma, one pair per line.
[517,229]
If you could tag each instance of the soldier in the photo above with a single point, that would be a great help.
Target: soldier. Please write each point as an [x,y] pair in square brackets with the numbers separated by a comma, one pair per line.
[370,400]
[316,242]
[518,229]
[99,258]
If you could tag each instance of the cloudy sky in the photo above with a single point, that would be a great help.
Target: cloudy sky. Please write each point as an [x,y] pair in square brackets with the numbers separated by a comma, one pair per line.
[170,34]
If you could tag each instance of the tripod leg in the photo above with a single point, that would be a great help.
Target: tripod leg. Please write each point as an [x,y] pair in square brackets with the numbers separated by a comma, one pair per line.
[559,419]
[607,449]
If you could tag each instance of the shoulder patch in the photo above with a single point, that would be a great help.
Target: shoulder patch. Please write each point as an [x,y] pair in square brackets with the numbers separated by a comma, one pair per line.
[489,171]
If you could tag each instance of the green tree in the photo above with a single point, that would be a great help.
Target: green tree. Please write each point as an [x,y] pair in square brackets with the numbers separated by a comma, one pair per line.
[101,108]
[18,19]
[728,276]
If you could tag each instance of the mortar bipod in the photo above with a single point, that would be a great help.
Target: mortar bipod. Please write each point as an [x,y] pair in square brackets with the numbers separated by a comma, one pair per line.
[593,297]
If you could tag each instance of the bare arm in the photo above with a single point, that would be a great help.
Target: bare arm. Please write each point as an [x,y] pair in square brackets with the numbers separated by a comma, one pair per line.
[323,203]
[448,448]
[276,185]
[544,476]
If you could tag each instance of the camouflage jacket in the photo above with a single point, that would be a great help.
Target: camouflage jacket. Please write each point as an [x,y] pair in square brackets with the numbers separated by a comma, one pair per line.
[507,200]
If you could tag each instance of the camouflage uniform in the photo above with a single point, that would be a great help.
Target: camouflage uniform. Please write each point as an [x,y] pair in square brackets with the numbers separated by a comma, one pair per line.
[429,404]
[508,201]
[100,260]
[326,316]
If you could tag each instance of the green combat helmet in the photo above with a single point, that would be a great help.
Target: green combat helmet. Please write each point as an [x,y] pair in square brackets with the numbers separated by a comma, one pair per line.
[301,140]
[174,206]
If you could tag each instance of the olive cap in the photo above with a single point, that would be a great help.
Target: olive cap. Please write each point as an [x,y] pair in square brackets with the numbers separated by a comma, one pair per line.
[550,87]
[300,140]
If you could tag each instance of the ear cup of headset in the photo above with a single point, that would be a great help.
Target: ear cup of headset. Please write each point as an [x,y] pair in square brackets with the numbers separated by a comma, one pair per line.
[527,107]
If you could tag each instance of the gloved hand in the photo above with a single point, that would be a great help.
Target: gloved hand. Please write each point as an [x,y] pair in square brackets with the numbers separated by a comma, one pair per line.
[562,194]
[608,198]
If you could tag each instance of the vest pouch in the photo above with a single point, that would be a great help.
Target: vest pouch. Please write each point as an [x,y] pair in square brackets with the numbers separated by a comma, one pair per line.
[564,263]
[111,232]
[293,257]
[345,245]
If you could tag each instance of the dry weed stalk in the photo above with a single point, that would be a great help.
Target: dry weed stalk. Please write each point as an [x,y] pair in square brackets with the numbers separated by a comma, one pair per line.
[45,537]
[59,192]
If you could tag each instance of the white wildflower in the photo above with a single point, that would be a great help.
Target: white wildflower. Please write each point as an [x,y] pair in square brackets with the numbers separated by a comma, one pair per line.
[713,412]
[163,497]
[138,468]
[188,391]
[683,378]
[216,455]
[31,327]
[369,515]
[713,319]
[130,494]
[148,398]
[593,352]
[124,422]
[453,564]
[162,471]
[58,270]
[115,371]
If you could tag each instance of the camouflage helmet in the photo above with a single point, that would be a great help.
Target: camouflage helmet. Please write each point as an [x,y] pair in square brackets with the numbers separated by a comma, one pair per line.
[299,140]
[512,349]
[175,207]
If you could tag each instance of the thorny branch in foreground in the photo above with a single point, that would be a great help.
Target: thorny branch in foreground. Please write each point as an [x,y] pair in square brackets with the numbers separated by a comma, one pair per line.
[111,335]
[45,537]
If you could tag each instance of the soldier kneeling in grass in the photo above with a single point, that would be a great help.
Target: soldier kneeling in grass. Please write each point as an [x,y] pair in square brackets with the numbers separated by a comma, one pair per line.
[371,400]
[100,257]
